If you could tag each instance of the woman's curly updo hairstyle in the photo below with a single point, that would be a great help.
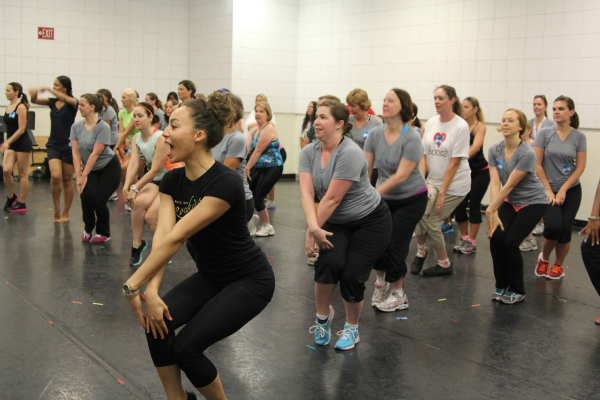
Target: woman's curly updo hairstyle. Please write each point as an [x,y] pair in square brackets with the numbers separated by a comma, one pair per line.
[211,115]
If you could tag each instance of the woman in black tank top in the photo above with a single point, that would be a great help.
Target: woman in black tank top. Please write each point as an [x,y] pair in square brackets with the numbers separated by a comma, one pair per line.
[16,148]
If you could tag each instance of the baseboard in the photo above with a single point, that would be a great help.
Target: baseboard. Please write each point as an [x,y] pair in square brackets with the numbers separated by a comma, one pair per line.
[288,177]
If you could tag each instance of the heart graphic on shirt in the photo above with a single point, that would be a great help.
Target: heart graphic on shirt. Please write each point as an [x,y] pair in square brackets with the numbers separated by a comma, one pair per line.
[439,138]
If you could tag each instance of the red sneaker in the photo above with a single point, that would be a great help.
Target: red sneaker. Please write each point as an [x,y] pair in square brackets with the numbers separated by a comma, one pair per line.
[100,239]
[598,321]
[542,267]
[556,272]
[86,237]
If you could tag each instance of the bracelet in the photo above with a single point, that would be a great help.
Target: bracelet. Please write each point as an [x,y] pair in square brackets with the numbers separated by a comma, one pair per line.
[314,230]
[129,292]
[593,218]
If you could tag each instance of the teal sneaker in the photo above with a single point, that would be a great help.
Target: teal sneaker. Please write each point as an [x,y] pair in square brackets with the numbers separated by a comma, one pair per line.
[348,338]
[498,293]
[323,331]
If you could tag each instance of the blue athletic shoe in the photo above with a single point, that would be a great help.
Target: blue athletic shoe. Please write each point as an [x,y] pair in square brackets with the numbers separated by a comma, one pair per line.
[323,331]
[348,338]
[447,228]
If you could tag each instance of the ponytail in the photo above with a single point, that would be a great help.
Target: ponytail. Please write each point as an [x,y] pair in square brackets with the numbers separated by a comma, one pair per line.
[574,121]
[96,100]
[109,99]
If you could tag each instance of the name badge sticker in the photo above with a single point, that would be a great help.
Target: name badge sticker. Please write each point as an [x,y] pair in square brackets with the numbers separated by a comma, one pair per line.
[566,169]
[268,160]
[12,114]
[365,134]
[499,164]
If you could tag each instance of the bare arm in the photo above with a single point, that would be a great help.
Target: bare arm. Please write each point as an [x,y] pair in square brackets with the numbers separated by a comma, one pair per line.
[423,165]
[478,140]
[33,95]
[158,162]
[579,168]
[498,196]
[65,98]
[267,135]
[132,168]
[232,162]
[98,148]
[405,169]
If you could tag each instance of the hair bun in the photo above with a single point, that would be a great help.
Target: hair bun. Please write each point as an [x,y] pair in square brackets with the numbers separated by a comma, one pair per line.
[348,127]
[221,105]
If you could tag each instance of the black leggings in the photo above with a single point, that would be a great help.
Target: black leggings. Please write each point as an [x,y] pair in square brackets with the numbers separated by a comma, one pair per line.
[504,244]
[100,186]
[406,214]
[480,180]
[357,247]
[210,313]
[591,260]
[261,182]
[558,220]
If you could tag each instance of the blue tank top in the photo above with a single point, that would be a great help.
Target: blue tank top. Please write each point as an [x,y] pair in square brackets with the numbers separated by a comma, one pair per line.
[270,157]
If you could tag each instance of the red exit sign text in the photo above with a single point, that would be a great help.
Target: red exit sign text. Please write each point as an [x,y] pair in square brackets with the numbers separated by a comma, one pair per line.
[46,33]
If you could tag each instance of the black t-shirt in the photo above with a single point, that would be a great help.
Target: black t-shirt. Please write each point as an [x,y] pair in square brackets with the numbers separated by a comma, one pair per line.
[61,121]
[225,251]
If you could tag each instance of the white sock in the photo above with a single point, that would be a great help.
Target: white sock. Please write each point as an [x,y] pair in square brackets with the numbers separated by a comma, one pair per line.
[380,280]
[400,292]
[444,263]
[422,252]
[542,258]
[322,317]
[351,326]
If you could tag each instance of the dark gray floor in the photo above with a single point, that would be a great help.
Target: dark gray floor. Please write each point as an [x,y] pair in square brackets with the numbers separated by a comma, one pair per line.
[545,348]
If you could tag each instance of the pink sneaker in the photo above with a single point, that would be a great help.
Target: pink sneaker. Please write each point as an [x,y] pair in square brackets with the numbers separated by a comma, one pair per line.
[85,237]
[100,239]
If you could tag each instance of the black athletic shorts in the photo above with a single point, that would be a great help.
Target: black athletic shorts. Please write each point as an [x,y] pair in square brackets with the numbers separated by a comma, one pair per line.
[61,152]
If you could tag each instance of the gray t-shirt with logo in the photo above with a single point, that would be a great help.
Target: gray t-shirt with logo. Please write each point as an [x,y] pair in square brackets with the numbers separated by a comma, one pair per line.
[359,135]
[387,157]
[100,133]
[530,189]
[110,115]
[233,145]
[347,162]
[559,157]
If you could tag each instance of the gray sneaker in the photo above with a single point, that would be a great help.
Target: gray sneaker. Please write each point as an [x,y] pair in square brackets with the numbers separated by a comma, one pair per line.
[460,245]
[379,294]
[498,293]
[538,230]
[511,297]
[468,248]
[529,244]
[394,302]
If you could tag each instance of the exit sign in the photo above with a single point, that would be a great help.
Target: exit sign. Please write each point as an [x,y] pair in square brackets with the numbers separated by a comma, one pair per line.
[46,33]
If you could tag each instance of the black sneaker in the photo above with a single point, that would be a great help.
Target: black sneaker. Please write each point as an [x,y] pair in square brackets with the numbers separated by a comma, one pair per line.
[438,270]
[417,265]
[191,396]
[136,254]
[10,202]
[18,208]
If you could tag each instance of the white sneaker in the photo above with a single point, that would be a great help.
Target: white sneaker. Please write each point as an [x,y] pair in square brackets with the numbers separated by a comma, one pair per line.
[379,294]
[127,208]
[270,205]
[252,224]
[529,244]
[461,244]
[538,230]
[265,230]
[113,197]
[395,301]
[312,260]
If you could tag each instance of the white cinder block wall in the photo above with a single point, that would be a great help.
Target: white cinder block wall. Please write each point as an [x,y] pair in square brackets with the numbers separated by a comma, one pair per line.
[112,44]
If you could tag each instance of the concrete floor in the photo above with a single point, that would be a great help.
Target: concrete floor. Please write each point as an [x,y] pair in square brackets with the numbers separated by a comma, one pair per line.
[545,348]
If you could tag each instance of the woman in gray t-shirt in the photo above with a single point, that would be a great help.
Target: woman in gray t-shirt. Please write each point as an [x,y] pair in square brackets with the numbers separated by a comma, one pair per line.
[350,227]
[561,156]
[100,177]
[396,150]
[518,201]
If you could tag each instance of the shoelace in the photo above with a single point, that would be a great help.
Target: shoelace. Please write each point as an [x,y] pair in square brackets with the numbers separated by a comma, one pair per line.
[556,269]
[346,334]
[321,331]
[544,267]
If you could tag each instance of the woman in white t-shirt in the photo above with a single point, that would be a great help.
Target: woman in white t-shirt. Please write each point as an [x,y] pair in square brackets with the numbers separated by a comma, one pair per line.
[446,155]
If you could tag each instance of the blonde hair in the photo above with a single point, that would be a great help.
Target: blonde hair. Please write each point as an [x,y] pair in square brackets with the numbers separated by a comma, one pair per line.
[360,98]
[132,95]
[265,105]
[262,96]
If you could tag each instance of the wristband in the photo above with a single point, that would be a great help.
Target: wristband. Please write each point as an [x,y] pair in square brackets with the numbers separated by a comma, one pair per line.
[314,230]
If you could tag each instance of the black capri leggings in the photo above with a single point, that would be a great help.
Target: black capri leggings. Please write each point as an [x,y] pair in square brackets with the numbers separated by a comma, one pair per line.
[591,260]
[558,220]
[357,246]
[100,186]
[261,182]
[406,214]
[210,312]
[480,180]
[504,244]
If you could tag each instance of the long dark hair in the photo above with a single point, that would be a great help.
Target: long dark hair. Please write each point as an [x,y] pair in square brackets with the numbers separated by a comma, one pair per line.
[451,93]
[416,120]
[310,118]
[66,82]
[18,88]
[173,95]
[109,99]
[154,97]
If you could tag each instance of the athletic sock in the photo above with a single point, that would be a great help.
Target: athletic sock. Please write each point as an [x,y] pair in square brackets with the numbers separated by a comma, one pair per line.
[465,237]
[322,319]
[444,263]
[400,292]
[351,326]
[473,241]
[380,280]
[422,251]
[546,261]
